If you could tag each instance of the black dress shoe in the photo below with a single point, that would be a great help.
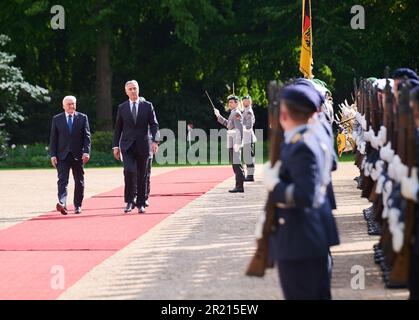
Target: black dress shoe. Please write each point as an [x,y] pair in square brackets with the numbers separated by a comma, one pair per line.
[77,210]
[146,203]
[61,208]
[129,207]
[249,178]
[141,209]
[236,190]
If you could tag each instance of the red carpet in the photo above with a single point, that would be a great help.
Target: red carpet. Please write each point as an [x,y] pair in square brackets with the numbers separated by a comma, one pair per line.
[30,249]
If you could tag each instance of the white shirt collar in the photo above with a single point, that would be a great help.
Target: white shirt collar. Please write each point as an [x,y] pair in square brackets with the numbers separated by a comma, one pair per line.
[67,114]
[136,102]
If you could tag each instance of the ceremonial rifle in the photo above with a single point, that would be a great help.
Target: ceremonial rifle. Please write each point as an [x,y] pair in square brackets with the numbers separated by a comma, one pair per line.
[399,274]
[260,260]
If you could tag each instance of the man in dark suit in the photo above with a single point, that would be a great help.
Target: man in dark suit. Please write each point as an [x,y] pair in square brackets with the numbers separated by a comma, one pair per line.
[305,227]
[70,149]
[134,119]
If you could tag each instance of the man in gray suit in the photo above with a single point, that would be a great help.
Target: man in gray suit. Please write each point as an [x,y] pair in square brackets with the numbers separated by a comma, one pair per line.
[234,125]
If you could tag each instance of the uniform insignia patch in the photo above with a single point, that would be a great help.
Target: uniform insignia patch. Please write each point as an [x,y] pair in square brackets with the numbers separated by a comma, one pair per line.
[297,137]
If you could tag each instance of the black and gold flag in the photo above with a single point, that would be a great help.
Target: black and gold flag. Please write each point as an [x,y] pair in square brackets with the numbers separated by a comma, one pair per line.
[306,58]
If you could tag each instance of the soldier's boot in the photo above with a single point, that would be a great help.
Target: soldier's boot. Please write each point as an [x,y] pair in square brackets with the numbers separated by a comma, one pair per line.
[249,178]
[237,189]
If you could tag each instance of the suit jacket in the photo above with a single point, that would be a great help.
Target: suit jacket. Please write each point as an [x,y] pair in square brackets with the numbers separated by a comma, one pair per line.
[128,133]
[305,225]
[62,142]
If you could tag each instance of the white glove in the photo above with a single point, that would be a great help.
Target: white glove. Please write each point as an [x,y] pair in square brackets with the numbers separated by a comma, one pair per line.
[363,163]
[398,237]
[362,147]
[374,142]
[216,112]
[410,186]
[259,225]
[382,136]
[236,147]
[368,135]
[363,123]
[401,172]
[392,167]
[380,184]
[378,170]
[368,169]
[358,117]
[386,153]
[271,175]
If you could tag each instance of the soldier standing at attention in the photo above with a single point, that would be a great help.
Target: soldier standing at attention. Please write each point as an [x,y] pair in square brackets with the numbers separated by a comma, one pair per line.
[410,190]
[300,243]
[249,138]
[234,126]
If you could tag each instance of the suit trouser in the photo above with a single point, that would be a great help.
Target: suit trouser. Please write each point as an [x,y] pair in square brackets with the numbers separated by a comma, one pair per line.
[307,279]
[414,277]
[148,175]
[235,160]
[135,169]
[63,169]
[249,158]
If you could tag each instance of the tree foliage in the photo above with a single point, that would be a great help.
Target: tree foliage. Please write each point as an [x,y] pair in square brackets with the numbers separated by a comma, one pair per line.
[176,49]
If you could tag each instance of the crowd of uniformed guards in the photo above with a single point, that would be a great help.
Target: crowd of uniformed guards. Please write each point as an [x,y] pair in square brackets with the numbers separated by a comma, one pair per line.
[385,132]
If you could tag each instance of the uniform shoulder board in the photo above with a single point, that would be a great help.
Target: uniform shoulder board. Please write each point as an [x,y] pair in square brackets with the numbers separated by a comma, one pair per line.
[297,137]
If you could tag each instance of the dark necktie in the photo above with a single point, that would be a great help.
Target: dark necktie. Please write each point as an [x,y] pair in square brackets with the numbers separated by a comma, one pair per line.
[134,111]
[70,123]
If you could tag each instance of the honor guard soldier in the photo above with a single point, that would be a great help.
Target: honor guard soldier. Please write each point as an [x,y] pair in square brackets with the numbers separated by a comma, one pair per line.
[410,190]
[400,75]
[298,182]
[249,138]
[234,126]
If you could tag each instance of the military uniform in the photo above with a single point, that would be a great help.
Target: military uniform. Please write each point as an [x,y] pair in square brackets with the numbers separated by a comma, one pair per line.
[234,125]
[414,263]
[249,140]
[305,228]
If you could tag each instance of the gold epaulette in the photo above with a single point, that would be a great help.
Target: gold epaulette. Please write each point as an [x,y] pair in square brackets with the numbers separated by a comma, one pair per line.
[297,137]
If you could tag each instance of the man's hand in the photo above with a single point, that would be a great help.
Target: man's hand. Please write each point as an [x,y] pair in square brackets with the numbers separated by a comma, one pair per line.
[236,147]
[216,112]
[54,162]
[271,175]
[86,158]
[117,154]
[409,186]
[154,147]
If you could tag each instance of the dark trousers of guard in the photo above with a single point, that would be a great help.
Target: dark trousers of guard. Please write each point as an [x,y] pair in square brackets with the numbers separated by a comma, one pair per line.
[307,279]
[135,169]
[148,175]
[235,160]
[63,168]
[414,277]
[249,158]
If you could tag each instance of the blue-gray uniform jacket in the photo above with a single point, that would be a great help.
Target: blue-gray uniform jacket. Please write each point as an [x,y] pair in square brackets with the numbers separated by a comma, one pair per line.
[324,132]
[305,227]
